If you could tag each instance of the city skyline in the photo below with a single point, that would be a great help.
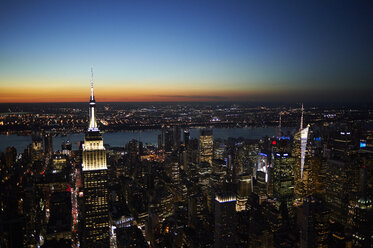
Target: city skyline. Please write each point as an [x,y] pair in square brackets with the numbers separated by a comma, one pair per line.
[178,51]
[274,186]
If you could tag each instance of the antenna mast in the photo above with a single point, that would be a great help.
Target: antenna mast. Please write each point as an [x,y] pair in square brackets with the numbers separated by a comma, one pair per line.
[301,118]
[92,97]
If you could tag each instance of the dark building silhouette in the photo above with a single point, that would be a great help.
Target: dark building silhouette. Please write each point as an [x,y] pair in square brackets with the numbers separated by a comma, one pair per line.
[225,219]
[10,157]
[186,137]
[48,144]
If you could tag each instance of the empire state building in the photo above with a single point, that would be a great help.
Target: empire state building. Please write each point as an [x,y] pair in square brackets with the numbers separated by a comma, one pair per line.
[95,208]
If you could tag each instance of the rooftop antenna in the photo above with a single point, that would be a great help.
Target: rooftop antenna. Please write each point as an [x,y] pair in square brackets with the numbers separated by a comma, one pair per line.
[301,118]
[92,97]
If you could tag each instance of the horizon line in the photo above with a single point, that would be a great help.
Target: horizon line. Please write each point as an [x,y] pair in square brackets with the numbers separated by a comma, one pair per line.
[295,102]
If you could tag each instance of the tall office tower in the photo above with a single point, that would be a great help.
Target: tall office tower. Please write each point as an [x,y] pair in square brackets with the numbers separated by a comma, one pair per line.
[313,222]
[341,144]
[362,223]
[362,217]
[186,137]
[95,206]
[176,137]
[342,177]
[160,141]
[48,144]
[336,190]
[206,146]
[36,148]
[10,157]
[303,175]
[225,217]
[283,176]
[132,150]
[243,192]
[196,209]
[168,140]
[261,186]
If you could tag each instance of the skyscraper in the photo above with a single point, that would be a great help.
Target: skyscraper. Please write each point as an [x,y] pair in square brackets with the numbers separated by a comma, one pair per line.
[243,191]
[225,217]
[303,175]
[206,146]
[168,139]
[283,171]
[283,174]
[36,148]
[362,222]
[48,143]
[313,223]
[186,137]
[10,157]
[176,137]
[95,207]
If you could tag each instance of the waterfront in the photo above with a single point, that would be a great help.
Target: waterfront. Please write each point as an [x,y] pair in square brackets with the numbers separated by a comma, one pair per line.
[119,139]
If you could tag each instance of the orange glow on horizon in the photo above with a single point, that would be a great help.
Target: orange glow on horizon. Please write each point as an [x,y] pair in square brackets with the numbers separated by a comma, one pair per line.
[120,94]
[146,91]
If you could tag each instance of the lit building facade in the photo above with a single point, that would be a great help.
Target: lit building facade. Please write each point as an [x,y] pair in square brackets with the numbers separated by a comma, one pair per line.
[95,207]
[283,176]
[362,223]
[243,192]
[36,149]
[206,143]
[303,175]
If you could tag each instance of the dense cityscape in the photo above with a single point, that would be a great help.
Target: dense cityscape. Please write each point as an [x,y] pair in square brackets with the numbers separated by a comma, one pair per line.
[63,118]
[186,124]
[308,188]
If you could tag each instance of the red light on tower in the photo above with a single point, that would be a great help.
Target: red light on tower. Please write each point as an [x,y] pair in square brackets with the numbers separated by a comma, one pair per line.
[274,142]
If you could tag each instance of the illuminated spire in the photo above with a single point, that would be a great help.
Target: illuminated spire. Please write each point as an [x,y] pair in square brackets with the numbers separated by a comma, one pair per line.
[301,118]
[303,148]
[92,107]
[92,96]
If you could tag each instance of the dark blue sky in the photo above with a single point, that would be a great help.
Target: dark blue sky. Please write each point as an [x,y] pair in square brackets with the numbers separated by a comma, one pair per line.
[169,50]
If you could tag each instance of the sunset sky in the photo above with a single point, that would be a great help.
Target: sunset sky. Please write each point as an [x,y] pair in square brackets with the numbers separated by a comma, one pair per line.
[186,50]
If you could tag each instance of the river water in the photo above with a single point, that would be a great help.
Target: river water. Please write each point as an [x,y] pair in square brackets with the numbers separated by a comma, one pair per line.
[119,139]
